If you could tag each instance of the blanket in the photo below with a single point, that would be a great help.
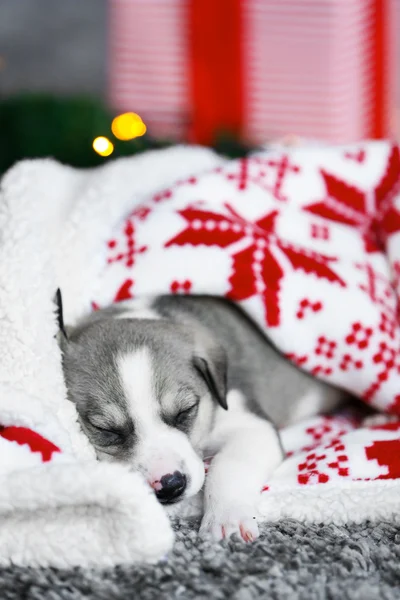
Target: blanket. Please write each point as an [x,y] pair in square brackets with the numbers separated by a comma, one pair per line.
[58,505]
[306,240]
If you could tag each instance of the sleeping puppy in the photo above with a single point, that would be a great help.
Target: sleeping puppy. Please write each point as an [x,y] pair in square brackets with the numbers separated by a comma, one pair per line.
[162,384]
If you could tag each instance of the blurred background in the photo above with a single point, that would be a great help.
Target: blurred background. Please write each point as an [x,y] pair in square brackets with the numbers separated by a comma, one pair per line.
[89,80]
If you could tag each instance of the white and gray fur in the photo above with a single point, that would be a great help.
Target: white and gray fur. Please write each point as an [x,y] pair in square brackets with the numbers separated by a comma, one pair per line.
[162,384]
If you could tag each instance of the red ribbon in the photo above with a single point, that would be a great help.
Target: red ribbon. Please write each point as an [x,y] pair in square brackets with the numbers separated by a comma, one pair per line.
[378,76]
[216,68]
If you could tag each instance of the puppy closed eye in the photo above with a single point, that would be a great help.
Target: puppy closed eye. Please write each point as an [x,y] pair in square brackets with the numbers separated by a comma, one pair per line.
[107,437]
[184,415]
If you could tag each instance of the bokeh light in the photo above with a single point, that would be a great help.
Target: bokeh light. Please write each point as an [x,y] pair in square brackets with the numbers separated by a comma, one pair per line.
[128,126]
[103,146]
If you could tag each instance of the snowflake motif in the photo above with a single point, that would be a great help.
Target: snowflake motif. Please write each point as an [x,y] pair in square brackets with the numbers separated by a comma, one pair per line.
[385,356]
[257,269]
[377,286]
[321,370]
[348,362]
[164,195]
[181,287]
[347,204]
[309,472]
[340,465]
[388,359]
[337,443]
[124,292]
[141,212]
[320,430]
[168,193]
[396,275]
[306,305]
[387,454]
[359,156]
[130,251]
[360,336]
[298,360]
[325,347]
[189,181]
[388,325]
[257,170]
[319,232]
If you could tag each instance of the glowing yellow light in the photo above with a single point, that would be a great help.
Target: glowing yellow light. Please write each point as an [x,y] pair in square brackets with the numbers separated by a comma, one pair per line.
[128,126]
[103,146]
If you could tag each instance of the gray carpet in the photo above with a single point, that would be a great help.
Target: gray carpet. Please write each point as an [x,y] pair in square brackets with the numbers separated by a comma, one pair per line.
[290,561]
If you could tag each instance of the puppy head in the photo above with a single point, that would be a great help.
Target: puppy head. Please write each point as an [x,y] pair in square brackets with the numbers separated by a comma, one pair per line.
[146,393]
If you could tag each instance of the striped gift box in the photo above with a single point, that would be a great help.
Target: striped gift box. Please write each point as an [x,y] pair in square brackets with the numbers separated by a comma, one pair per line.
[261,69]
[397,63]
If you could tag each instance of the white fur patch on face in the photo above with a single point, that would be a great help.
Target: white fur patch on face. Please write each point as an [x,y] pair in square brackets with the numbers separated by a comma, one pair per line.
[136,374]
[138,308]
[159,449]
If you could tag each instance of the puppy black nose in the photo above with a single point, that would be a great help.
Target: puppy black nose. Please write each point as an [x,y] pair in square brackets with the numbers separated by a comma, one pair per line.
[172,487]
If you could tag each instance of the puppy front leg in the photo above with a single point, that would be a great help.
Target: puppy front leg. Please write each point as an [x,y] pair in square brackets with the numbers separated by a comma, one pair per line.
[247,450]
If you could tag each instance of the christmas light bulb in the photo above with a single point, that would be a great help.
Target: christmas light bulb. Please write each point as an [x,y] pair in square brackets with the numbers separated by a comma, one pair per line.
[128,126]
[103,146]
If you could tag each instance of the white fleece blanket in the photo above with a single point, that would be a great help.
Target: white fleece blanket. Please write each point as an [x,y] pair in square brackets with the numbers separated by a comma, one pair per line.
[58,505]
[307,241]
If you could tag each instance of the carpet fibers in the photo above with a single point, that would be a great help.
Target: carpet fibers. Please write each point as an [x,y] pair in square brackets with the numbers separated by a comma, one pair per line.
[290,561]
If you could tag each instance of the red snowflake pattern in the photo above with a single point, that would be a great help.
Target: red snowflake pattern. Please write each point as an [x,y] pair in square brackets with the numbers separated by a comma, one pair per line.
[283,166]
[319,431]
[346,204]
[348,362]
[298,360]
[395,406]
[306,305]
[256,268]
[321,370]
[309,472]
[184,287]
[359,336]
[388,325]
[396,274]
[164,195]
[128,254]
[377,287]
[387,454]
[340,464]
[319,232]
[258,171]
[359,156]
[325,347]
[388,359]
[141,212]
[124,292]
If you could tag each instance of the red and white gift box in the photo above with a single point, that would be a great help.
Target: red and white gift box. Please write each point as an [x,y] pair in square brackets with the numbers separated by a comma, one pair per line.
[258,69]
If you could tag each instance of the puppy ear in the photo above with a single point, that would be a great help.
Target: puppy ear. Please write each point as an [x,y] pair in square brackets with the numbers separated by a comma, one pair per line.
[62,333]
[210,361]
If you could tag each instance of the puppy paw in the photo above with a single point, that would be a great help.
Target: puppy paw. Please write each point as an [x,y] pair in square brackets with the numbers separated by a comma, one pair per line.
[222,523]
